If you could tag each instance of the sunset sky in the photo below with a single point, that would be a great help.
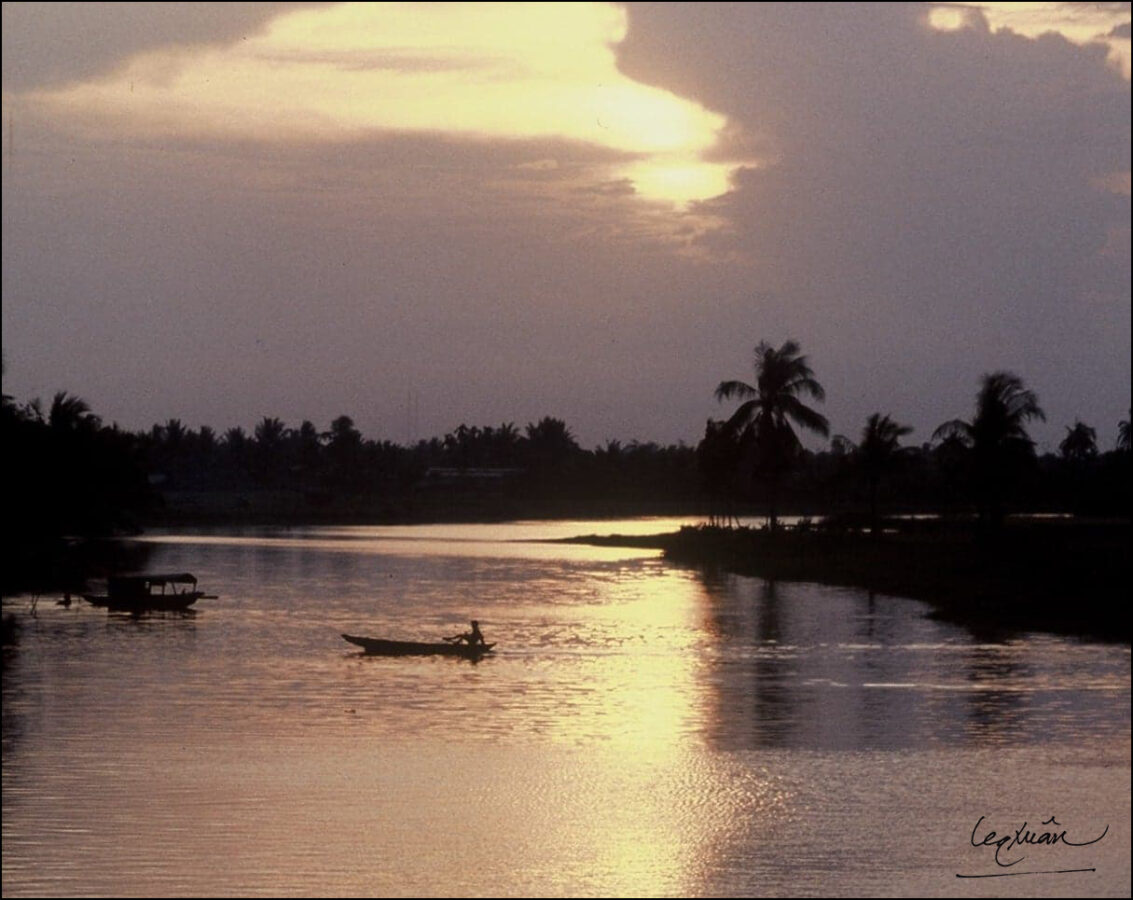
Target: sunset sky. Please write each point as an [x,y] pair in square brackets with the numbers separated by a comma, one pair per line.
[422,215]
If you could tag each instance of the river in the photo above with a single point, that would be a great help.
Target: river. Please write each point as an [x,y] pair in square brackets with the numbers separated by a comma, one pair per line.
[642,730]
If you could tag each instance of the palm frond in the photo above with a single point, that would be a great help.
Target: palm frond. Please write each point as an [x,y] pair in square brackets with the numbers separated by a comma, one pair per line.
[954,428]
[799,412]
[744,416]
[726,390]
[806,384]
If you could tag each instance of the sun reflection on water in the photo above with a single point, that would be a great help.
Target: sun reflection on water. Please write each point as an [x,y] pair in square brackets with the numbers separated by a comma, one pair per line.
[645,730]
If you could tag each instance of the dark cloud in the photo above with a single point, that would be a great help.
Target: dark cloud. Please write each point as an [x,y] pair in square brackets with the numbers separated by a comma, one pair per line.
[48,44]
[930,212]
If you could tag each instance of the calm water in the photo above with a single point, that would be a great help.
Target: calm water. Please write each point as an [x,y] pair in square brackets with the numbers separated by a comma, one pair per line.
[643,730]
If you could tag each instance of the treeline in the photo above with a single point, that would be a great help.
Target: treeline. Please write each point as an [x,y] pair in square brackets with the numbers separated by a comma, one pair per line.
[934,477]
[986,463]
[69,474]
[473,471]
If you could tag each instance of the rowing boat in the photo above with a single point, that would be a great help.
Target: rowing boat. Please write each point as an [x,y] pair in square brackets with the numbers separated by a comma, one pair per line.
[379,647]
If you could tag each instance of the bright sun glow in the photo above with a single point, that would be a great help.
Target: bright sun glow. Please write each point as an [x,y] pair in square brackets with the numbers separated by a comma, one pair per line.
[947,18]
[492,70]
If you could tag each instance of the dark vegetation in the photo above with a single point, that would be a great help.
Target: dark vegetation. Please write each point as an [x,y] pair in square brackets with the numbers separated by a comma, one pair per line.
[1067,575]
[70,476]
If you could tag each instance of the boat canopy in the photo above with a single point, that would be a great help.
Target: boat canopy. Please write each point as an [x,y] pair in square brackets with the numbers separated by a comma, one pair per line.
[167,578]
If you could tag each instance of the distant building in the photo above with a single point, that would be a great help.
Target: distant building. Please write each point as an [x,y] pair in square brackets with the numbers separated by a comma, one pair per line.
[451,476]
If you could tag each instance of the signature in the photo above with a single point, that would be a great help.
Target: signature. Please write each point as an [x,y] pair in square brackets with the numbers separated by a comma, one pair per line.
[1009,847]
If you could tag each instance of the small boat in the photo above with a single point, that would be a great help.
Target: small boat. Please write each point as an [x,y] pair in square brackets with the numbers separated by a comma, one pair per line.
[379,647]
[149,593]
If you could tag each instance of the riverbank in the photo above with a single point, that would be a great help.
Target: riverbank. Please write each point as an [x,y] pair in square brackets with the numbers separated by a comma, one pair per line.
[473,505]
[1066,576]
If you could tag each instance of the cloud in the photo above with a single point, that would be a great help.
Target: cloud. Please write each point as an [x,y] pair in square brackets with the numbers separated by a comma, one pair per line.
[1105,24]
[936,204]
[928,205]
[53,44]
[505,71]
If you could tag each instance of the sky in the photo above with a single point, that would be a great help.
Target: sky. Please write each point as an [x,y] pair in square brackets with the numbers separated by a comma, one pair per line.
[422,215]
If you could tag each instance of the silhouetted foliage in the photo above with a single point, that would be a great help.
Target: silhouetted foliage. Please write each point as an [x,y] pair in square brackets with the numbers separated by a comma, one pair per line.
[877,455]
[70,475]
[1080,443]
[718,458]
[997,439]
[67,474]
[763,420]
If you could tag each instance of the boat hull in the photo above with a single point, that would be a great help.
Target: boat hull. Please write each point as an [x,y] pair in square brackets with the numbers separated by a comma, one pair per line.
[156,603]
[379,647]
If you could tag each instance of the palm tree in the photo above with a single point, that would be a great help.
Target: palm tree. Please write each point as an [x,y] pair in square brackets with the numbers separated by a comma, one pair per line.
[718,461]
[550,442]
[504,444]
[764,418]
[877,454]
[307,450]
[344,452]
[997,438]
[1080,443]
[1123,435]
[268,449]
[71,413]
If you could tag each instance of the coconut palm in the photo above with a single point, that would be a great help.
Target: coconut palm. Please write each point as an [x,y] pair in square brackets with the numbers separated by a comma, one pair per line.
[550,442]
[877,454]
[344,452]
[268,450]
[770,406]
[1080,443]
[71,413]
[997,438]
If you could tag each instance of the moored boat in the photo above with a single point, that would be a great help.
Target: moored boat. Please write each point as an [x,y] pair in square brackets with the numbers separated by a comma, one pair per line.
[381,647]
[149,593]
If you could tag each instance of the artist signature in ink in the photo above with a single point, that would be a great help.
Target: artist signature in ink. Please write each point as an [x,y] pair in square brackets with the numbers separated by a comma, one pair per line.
[1010,847]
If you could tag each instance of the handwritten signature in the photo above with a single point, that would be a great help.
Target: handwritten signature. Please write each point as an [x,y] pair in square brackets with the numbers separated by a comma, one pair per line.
[1023,837]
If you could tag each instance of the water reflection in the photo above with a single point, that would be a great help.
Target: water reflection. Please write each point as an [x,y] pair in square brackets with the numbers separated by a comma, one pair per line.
[807,666]
[641,730]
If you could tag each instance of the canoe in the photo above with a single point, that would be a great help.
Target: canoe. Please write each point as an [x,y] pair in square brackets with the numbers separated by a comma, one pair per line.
[380,647]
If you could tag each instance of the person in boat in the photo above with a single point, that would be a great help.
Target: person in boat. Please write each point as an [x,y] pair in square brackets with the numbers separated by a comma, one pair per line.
[473,638]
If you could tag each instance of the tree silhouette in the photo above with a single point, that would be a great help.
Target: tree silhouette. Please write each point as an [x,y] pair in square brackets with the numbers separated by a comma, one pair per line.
[307,451]
[71,413]
[718,463]
[344,453]
[268,450]
[67,474]
[997,439]
[764,418]
[550,441]
[878,453]
[1080,443]
[1123,442]
[504,444]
